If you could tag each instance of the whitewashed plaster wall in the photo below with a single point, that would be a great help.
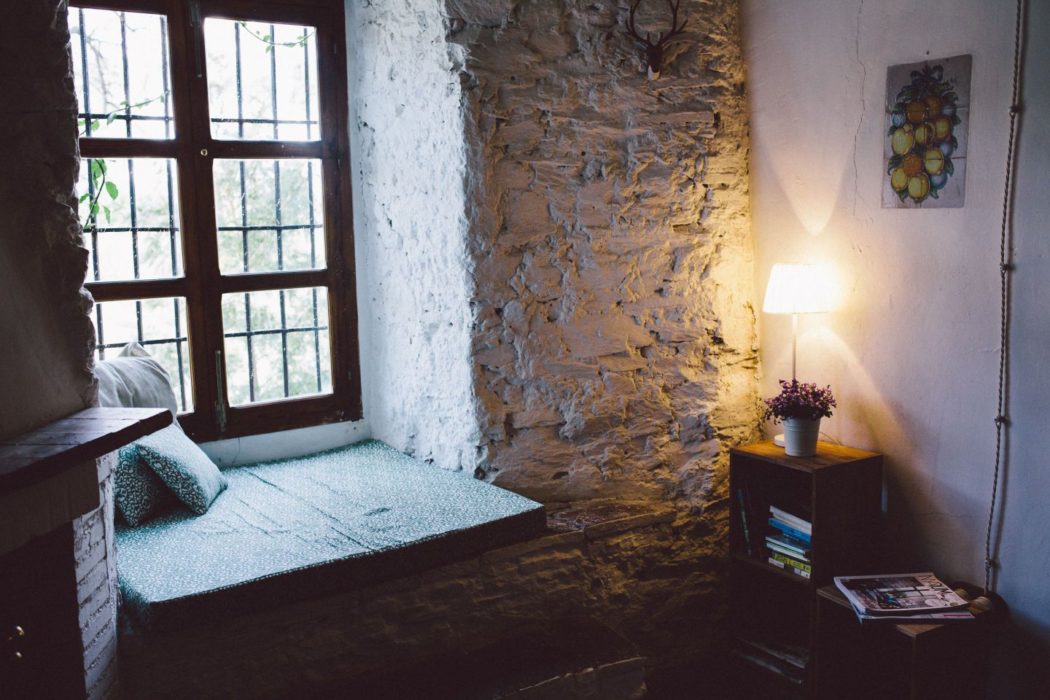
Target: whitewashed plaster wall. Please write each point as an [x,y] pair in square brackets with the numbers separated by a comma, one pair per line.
[408,164]
[912,353]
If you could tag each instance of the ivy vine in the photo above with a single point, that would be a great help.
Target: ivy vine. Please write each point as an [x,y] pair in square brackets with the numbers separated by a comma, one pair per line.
[269,40]
[98,175]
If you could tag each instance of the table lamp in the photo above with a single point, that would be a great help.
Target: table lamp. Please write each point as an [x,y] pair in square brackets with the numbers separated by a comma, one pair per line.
[798,289]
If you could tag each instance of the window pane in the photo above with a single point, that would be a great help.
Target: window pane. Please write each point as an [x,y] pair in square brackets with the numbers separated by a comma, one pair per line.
[269,215]
[262,80]
[159,325]
[276,344]
[134,231]
[121,69]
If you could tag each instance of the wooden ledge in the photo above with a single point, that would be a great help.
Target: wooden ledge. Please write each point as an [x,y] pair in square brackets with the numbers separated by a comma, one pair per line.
[39,454]
[828,455]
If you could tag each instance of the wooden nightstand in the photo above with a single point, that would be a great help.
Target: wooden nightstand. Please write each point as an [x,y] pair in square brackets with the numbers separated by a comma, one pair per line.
[839,491]
[885,660]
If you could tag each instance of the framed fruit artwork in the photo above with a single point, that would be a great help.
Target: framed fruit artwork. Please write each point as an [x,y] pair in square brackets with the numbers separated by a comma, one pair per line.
[927,116]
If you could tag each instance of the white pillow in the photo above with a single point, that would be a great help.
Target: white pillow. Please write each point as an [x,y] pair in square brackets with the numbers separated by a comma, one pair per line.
[134,379]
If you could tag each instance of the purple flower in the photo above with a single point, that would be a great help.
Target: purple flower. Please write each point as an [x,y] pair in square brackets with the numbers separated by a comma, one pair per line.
[797,400]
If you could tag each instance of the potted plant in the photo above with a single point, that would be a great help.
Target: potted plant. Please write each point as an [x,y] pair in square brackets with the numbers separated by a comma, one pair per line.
[800,406]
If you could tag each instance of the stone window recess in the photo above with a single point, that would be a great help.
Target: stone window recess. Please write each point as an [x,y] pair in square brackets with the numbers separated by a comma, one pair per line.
[214,195]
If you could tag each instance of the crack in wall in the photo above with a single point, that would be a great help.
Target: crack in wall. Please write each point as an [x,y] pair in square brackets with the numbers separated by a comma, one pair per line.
[863,107]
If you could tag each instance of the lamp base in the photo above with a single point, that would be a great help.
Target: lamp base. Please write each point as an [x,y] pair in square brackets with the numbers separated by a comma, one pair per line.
[778,440]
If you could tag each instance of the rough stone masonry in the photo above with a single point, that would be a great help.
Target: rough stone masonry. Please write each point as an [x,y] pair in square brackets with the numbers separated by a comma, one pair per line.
[529,206]
[613,336]
[513,156]
[44,315]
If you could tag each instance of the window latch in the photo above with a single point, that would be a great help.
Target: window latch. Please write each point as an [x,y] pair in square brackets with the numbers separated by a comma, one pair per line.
[220,393]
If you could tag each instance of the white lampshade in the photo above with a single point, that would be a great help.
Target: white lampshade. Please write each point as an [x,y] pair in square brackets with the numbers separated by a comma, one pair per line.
[799,289]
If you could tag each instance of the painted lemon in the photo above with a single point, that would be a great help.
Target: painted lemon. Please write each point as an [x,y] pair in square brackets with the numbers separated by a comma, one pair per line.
[918,187]
[898,180]
[924,134]
[916,111]
[942,128]
[933,103]
[903,140]
[912,164]
[933,159]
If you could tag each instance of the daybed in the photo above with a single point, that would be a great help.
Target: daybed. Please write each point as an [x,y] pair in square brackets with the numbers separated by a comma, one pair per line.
[271,533]
[310,526]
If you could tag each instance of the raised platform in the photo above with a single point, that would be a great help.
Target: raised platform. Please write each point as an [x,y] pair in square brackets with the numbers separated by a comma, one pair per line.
[466,625]
[311,526]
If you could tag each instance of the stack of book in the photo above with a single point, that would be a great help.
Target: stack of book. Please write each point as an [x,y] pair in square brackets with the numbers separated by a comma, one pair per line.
[903,598]
[790,542]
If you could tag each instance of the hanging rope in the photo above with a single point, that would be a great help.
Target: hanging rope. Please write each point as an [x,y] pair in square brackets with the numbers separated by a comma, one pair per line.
[1005,268]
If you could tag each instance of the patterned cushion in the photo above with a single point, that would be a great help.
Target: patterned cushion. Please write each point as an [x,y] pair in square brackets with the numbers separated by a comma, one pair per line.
[187,471]
[139,493]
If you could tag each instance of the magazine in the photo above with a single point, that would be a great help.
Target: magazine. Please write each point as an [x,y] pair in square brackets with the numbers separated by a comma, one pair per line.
[898,594]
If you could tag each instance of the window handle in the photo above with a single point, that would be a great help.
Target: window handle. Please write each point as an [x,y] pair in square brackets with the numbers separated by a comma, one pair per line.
[220,393]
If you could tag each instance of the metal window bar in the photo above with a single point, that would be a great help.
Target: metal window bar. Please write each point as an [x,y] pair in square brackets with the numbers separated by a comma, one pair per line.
[244,215]
[179,340]
[131,167]
[277,219]
[89,116]
[162,118]
[279,227]
[145,342]
[173,244]
[310,210]
[126,116]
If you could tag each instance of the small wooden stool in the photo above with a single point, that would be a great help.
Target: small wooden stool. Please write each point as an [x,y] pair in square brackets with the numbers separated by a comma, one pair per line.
[899,660]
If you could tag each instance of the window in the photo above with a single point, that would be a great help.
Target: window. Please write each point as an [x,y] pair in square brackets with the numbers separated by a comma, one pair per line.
[215,198]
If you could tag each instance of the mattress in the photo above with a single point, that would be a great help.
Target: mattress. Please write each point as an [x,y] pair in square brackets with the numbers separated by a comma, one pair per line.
[311,526]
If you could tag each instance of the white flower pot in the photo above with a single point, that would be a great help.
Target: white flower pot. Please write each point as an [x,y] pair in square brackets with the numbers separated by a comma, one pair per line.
[800,436]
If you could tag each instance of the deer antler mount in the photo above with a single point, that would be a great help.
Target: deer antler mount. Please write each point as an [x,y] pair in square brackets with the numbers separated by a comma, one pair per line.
[654,50]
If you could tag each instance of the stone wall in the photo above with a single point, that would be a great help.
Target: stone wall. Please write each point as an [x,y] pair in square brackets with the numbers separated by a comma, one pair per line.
[598,266]
[604,285]
[613,336]
[46,337]
[639,572]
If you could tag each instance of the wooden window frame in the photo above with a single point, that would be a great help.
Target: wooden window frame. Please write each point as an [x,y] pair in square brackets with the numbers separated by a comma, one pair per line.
[194,151]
